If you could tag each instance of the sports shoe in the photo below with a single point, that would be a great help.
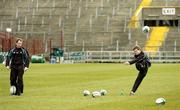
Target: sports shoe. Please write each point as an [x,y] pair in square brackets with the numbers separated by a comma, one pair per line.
[18,94]
[12,95]
[132,93]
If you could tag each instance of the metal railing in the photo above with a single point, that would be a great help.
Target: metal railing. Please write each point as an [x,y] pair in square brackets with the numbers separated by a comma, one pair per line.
[121,56]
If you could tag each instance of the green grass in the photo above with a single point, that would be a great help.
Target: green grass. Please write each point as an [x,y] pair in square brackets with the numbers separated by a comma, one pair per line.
[59,87]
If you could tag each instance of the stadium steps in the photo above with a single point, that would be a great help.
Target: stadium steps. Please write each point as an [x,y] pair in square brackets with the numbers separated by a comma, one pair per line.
[136,37]
[171,41]
[44,17]
[134,23]
[156,38]
[165,3]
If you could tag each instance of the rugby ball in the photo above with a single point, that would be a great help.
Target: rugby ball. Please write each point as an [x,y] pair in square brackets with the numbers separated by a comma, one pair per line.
[146,29]
[86,92]
[96,94]
[103,92]
[160,101]
[12,90]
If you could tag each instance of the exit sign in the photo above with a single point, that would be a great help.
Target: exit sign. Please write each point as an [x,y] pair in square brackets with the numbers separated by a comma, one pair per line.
[168,11]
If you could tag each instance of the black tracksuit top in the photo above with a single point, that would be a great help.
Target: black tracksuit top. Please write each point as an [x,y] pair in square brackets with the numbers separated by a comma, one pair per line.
[141,60]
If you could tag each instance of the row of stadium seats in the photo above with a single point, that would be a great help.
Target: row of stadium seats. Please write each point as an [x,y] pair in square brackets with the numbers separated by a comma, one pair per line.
[172,41]
[165,3]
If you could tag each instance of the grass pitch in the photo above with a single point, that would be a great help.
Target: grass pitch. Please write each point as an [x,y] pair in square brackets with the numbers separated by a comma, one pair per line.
[59,87]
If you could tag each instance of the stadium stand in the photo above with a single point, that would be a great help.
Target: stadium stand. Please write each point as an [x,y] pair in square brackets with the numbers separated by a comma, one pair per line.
[85,25]
[77,18]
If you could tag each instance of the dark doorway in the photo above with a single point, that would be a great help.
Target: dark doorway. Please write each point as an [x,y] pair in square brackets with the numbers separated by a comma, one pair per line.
[172,23]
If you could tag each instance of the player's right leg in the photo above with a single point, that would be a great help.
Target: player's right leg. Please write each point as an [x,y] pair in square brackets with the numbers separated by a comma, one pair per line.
[138,81]
[13,78]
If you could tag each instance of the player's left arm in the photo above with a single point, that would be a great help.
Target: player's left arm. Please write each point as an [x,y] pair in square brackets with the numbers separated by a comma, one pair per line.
[26,58]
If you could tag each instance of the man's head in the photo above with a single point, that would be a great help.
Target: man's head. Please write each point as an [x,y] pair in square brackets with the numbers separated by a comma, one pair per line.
[137,50]
[19,42]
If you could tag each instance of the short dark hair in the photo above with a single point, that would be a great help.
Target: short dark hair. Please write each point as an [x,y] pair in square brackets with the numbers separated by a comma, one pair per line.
[18,39]
[137,47]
